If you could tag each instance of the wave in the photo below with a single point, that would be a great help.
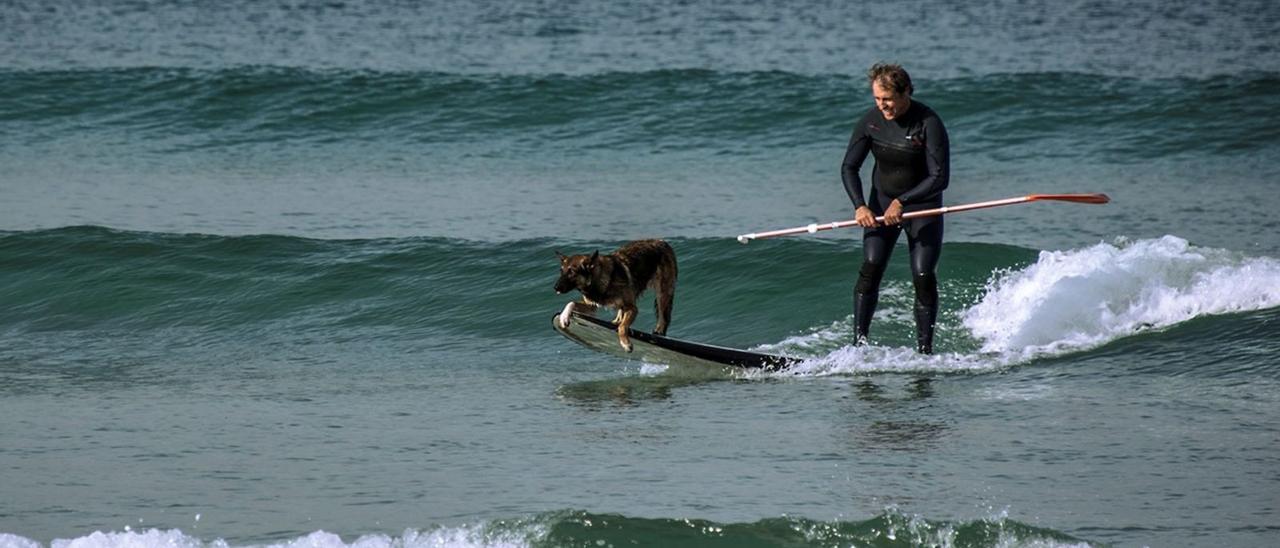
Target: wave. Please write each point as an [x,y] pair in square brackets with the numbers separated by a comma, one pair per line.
[99,279]
[812,37]
[1085,298]
[572,528]
[1001,306]
[96,278]
[1066,302]
[168,110]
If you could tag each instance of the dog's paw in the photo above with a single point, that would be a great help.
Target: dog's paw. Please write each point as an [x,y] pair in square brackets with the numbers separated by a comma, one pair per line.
[564,315]
[627,346]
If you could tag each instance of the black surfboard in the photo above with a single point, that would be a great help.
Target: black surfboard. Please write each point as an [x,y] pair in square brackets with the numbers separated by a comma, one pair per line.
[602,336]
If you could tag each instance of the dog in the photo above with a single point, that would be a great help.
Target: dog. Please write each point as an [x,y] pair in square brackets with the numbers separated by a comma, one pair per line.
[616,281]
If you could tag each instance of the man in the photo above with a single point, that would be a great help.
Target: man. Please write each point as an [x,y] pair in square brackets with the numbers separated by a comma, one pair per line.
[912,168]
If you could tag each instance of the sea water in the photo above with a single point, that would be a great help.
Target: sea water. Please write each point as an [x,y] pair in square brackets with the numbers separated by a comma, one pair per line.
[280,273]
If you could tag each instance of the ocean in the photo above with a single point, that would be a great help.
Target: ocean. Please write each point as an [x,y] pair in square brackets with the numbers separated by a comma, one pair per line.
[279,273]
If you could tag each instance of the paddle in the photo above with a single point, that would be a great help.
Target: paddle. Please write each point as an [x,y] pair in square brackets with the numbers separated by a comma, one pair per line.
[1097,198]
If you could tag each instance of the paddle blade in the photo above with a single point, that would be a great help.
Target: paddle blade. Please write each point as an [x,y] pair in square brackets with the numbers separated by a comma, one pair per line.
[1095,198]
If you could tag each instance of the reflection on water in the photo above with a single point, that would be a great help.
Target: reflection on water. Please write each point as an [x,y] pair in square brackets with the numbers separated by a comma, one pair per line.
[892,422]
[918,389]
[903,435]
[881,416]
[627,391]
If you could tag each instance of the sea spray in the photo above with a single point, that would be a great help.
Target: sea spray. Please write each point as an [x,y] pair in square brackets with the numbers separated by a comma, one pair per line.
[1079,299]
[575,528]
[1067,301]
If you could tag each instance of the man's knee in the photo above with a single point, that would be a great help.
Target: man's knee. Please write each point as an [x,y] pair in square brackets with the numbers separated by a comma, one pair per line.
[869,277]
[926,285]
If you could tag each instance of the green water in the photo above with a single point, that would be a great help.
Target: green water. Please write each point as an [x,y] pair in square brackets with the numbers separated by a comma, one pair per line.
[280,273]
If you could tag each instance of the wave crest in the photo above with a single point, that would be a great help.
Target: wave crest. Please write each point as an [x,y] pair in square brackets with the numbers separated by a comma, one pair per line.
[1080,299]
[579,528]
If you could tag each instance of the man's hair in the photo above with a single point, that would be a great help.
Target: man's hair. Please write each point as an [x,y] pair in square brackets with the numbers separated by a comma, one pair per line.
[891,76]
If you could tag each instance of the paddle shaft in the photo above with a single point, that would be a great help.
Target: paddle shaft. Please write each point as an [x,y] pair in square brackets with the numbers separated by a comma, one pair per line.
[813,228]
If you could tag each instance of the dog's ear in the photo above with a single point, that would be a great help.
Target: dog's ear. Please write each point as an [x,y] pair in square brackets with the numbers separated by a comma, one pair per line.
[595,257]
[561,256]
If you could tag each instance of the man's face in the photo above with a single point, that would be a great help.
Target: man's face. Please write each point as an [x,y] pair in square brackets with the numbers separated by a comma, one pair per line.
[890,103]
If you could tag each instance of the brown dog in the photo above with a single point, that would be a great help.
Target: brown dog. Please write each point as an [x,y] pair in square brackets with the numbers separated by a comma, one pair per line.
[617,279]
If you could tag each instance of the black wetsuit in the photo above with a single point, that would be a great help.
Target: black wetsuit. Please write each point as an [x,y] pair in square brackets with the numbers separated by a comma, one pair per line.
[912,165]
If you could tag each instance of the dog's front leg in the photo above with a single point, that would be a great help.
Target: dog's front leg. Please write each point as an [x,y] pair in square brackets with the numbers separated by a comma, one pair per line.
[626,316]
[584,307]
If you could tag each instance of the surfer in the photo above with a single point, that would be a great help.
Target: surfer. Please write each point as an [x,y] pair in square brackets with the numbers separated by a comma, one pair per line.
[912,168]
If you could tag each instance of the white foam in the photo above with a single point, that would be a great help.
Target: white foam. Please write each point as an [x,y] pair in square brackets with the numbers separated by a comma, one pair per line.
[653,369]
[150,538]
[1067,301]
[477,536]
[1080,299]
[814,341]
[891,359]
[901,526]
[14,541]
[469,536]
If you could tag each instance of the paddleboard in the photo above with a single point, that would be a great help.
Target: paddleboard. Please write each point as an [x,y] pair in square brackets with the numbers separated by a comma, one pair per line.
[602,336]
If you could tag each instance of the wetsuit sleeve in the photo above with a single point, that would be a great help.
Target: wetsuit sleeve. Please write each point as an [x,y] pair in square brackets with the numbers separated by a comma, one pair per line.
[859,146]
[937,161]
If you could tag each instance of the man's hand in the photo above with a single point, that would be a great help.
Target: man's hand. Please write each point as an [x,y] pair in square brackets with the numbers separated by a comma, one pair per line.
[864,217]
[893,213]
